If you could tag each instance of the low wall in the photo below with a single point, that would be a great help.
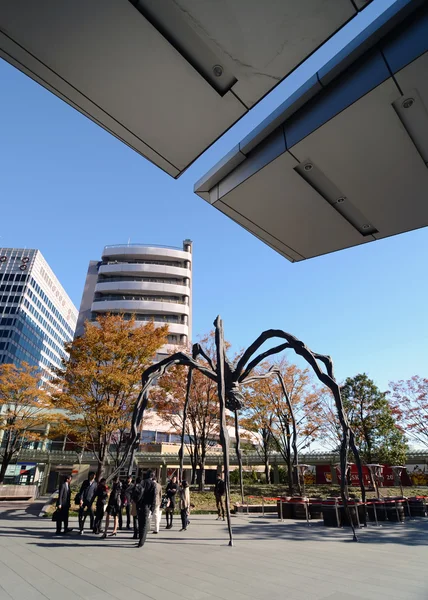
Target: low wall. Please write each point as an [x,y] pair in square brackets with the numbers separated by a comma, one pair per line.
[254,508]
[18,492]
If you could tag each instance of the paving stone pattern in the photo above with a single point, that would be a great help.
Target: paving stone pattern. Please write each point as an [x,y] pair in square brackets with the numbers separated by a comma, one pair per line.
[270,560]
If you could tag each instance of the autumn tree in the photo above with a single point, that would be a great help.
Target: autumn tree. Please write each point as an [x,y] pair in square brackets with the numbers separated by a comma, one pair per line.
[25,410]
[410,405]
[202,423]
[330,430]
[371,417]
[100,382]
[260,420]
[269,408]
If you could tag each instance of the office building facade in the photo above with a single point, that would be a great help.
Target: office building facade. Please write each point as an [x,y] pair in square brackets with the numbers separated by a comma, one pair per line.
[36,315]
[152,283]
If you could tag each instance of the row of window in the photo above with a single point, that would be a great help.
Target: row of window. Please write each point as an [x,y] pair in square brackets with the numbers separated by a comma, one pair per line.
[8,287]
[18,344]
[8,310]
[10,299]
[52,308]
[5,321]
[13,277]
[17,354]
[45,324]
[148,437]
[167,263]
[138,317]
[140,298]
[28,327]
[105,279]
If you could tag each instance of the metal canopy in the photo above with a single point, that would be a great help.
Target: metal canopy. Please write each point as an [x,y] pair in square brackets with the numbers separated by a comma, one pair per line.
[344,161]
[166,77]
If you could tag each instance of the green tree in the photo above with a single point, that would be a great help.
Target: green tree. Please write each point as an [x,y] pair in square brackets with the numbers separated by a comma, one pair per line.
[371,416]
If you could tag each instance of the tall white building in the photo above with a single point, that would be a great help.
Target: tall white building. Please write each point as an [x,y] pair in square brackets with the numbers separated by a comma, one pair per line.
[154,283]
[36,314]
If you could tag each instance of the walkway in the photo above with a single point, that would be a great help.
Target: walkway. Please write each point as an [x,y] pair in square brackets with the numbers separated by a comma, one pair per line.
[270,560]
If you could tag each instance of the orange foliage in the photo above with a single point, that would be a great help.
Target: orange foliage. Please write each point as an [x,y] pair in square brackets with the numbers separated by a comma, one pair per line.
[25,409]
[202,424]
[100,383]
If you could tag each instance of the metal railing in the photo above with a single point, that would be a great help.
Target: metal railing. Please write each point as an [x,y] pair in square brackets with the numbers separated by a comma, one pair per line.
[144,246]
[213,458]
[163,263]
[141,279]
[114,298]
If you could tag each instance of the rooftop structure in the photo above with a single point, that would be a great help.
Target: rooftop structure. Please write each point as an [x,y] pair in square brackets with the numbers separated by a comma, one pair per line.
[150,282]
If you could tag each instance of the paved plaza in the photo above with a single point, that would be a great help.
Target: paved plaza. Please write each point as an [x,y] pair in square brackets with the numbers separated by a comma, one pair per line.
[269,560]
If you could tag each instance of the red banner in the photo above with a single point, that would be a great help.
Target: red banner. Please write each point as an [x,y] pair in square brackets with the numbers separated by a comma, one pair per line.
[354,479]
[323,474]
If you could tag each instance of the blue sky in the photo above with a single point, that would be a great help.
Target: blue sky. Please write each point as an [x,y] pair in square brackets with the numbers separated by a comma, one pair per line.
[68,188]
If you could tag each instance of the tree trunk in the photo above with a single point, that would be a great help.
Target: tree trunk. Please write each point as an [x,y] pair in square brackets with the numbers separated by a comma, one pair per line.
[267,469]
[7,457]
[294,435]
[290,474]
[265,441]
[100,470]
[201,477]
[239,455]
[193,463]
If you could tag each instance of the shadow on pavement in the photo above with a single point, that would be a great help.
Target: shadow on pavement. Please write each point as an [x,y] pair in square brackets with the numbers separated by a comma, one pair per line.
[411,533]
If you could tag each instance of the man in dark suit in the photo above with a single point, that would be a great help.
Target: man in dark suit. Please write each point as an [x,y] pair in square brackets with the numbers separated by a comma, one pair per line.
[63,505]
[87,495]
[144,496]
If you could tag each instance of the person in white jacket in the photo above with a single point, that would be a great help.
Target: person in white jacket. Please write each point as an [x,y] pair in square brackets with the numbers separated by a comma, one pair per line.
[157,513]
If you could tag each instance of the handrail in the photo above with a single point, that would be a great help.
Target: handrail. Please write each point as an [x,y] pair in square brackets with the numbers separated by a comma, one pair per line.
[126,279]
[162,263]
[133,298]
[250,458]
[144,246]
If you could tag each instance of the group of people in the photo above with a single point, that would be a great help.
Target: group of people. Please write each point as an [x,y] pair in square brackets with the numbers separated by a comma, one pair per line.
[142,500]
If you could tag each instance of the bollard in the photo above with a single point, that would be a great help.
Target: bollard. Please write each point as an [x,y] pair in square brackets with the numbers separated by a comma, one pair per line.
[375,514]
[337,512]
[357,513]
[280,511]
[398,516]
[307,513]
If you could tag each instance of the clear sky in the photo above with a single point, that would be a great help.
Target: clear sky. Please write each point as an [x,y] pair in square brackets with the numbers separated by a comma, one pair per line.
[68,188]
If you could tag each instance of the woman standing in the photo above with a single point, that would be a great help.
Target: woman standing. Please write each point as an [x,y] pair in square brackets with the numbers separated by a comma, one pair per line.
[100,499]
[114,506]
[184,504]
[171,491]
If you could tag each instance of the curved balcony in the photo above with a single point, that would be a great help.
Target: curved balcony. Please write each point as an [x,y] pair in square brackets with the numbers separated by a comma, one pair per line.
[142,268]
[142,286]
[177,328]
[140,306]
[140,252]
